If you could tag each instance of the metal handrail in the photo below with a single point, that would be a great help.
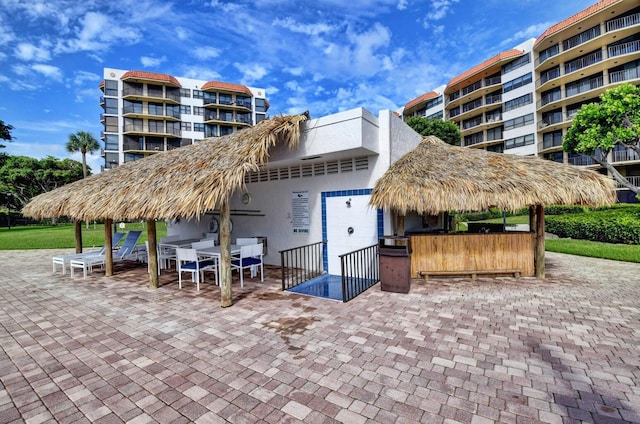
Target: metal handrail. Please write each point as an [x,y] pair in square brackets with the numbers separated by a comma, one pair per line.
[302,263]
[360,270]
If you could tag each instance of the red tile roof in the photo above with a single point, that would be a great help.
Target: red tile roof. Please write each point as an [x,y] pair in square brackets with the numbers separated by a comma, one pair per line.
[589,11]
[217,85]
[101,85]
[427,96]
[151,76]
[486,64]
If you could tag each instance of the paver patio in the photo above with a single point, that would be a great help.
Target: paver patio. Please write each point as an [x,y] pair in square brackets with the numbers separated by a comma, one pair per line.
[561,350]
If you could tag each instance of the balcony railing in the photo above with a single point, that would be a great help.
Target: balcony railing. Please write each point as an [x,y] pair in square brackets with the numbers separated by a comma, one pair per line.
[550,97]
[491,99]
[549,75]
[582,160]
[581,38]
[471,105]
[625,21]
[139,128]
[550,119]
[634,180]
[554,142]
[625,155]
[624,48]
[583,62]
[474,139]
[591,84]
[624,75]
[128,91]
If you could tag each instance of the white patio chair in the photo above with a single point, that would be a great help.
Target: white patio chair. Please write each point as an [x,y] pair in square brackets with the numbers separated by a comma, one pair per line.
[242,241]
[250,256]
[188,261]
[126,252]
[64,260]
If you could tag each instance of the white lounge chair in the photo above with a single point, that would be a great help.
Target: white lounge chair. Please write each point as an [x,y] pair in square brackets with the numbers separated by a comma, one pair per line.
[64,260]
[126,252]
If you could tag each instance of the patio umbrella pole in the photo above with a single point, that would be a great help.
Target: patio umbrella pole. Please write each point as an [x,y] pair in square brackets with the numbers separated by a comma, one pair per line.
[152,253]
[108,251]
[225,255]
[78,225]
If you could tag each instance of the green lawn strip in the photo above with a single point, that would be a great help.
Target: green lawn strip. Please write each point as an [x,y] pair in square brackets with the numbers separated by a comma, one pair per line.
[616,252]
[63,236]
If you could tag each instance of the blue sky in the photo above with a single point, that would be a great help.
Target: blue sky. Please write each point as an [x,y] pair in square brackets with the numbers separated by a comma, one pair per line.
[323,55]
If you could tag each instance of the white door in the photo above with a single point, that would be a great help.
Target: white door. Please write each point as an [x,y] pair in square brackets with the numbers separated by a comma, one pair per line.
[351,225]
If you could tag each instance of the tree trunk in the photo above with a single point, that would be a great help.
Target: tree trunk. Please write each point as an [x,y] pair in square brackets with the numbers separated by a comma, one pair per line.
[226,296]
[616,175]
[539,258]
[78,226]
[108,251]
[152,253]
[400,225]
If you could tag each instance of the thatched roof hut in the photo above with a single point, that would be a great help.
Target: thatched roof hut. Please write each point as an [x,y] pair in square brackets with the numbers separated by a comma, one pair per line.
[181,183]
[436,177]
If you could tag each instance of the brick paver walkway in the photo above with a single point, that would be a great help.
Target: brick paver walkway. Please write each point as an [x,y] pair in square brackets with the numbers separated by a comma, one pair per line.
[562,350]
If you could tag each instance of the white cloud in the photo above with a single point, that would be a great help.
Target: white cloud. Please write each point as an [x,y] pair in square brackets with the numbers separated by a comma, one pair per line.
[205,52]
[251,74]
[440,9]
[307,29]
[532,31]
[29,52]
[88,94]
[99,32]
[200,72]
[48,71]
[402,4]
[80,77]
[297,71]
[182,33]
[152,62]
[6,34]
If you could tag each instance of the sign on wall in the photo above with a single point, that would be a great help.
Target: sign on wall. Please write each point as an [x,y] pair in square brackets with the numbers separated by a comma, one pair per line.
[300,216]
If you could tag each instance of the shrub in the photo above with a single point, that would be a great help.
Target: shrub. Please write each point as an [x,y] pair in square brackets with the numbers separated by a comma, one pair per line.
[619,224]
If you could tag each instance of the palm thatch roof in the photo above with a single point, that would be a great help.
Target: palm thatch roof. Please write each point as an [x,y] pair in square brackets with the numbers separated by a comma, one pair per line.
[181,183]
[436,177]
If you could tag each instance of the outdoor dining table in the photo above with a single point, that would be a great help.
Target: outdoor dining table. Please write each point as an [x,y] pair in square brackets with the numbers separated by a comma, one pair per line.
[174,244]
[215,253]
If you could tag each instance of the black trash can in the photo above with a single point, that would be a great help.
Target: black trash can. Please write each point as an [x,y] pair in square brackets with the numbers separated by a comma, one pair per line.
[394,254]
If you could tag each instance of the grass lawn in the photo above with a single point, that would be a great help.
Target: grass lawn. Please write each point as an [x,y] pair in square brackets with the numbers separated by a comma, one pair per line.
[63,235]
[592,249]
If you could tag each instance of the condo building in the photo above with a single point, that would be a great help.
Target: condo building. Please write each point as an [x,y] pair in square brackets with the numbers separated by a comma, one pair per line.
[522,101]
[147,113]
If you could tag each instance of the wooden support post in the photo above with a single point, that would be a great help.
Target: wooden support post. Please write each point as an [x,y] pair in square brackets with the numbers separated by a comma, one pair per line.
[532,218]
[539,261]
[226,296]
[78,225]
[152,253]
[400,224]
[108,251]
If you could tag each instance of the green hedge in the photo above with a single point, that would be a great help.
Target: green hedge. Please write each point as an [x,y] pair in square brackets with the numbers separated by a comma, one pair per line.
[617,224]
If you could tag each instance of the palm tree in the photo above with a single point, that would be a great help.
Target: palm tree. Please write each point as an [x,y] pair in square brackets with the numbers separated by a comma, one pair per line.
[83,142]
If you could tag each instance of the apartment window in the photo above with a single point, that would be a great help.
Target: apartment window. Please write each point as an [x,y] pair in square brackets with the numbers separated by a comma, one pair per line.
[185,92]
[493,116]
[260,117]
[261,105]
[156,109]
[583,37]
[434,102]
[496,148]
[494,133]
[111,142]
[133,124]
[554,156]
[517,83]
[173,128]
[225,130]
[173,111]
[472,139]
[471,88]
[132,157]
[454,112]
[156,126]
[110,160]
[524,140]
[185,109]
[549,74]
[552,139]
[437,115]
[550,96]
[197,126]
[519,62]
[110,87]
[111,124]
[185,126]
[454,96]
[132,107]
[225,99]
[198,111]
[243,101]
[518,102]
[111,106]
[210,130]
[549,52]
[198,94]
[520,121]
